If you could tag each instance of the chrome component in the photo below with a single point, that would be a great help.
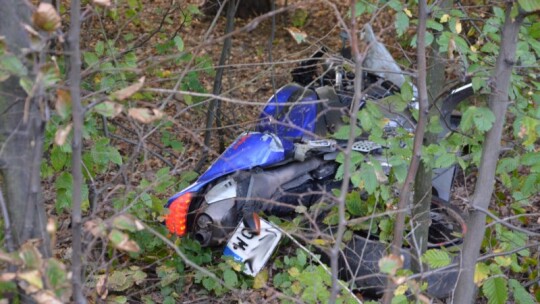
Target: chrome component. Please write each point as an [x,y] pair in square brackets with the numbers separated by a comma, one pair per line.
[323,145]
[414,105]
[203,221]
[469,85]
[365,146]
[339,77]
[224,190]
[391,126]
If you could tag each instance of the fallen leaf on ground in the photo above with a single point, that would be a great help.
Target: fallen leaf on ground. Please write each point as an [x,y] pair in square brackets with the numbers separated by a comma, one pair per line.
[145,115]
[128,91]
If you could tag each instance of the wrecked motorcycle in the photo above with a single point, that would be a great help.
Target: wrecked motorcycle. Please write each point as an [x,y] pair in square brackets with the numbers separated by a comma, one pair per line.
[290,161]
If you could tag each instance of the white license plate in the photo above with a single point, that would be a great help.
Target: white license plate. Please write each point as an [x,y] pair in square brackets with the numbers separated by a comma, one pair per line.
[253,250]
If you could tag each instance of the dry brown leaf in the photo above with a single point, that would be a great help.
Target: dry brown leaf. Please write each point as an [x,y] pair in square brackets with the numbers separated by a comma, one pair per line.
[298,35]
[105,3]
[46,297]
[33,277]
[109,109]
[46,17]
[121,241]
[7,276]
[145,115]
[129,246]
[128,91]
[10,258]
[63,103]
[459,28]
[101,288]
[97,229]
[61,135]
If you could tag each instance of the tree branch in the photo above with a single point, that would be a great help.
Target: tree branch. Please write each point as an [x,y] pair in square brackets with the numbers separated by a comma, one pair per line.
[359,58]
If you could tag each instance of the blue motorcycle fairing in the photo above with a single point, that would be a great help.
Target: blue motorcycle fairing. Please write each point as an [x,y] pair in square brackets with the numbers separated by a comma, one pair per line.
[249,150]
[288,120]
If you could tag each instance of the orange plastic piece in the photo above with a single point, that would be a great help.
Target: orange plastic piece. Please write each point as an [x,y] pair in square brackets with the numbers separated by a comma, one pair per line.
[176,220]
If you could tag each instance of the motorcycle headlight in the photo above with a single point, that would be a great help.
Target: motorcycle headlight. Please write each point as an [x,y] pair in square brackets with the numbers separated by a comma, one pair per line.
[176,220]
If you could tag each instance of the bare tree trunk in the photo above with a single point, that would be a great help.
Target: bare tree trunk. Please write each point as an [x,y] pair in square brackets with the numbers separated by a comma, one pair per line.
[498,103]
[21,139]
[423,182]
[78,115]
[247,8]
[214,103]
[404,196]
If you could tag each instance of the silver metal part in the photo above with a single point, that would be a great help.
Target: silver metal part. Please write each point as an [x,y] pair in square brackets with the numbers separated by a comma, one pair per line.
[323,145]
[365,146]
[224,190]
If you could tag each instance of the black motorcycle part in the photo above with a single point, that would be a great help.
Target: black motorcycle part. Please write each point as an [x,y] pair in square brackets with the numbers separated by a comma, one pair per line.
[361,264]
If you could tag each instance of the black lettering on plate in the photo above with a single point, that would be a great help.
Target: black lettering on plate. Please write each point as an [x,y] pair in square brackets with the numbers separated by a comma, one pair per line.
[247,234]
[241,244]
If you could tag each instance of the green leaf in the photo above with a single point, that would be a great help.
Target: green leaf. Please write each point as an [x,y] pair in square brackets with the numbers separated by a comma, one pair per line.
[481,272]
[133,4]
[27,84]
[179,43]
[434,25]
[484,119]
[230,277]
[478,83]
[531,158]
[260,279]
[406,92]
[369,178]
[445,160]
[390,264]
[496,290]
[399,299]
[108,108]
[534,30]
[90,58]
[436,258]
[127,222]
[507,165]
[56,274]
[402,23]
[521,296]
[99,48]
[343,132]
[359,9]
[12,65]
[529,5]
[355,205]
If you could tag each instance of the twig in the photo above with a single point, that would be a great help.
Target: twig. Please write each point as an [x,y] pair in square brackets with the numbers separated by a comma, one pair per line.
[503,222]
[8,236]
[78,117]
[359,58]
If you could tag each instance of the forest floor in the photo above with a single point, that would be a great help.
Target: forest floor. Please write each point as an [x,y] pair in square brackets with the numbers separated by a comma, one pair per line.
[250,78]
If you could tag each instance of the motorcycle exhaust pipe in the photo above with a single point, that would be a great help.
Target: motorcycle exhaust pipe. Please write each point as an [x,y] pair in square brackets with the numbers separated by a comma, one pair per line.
[203,237]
